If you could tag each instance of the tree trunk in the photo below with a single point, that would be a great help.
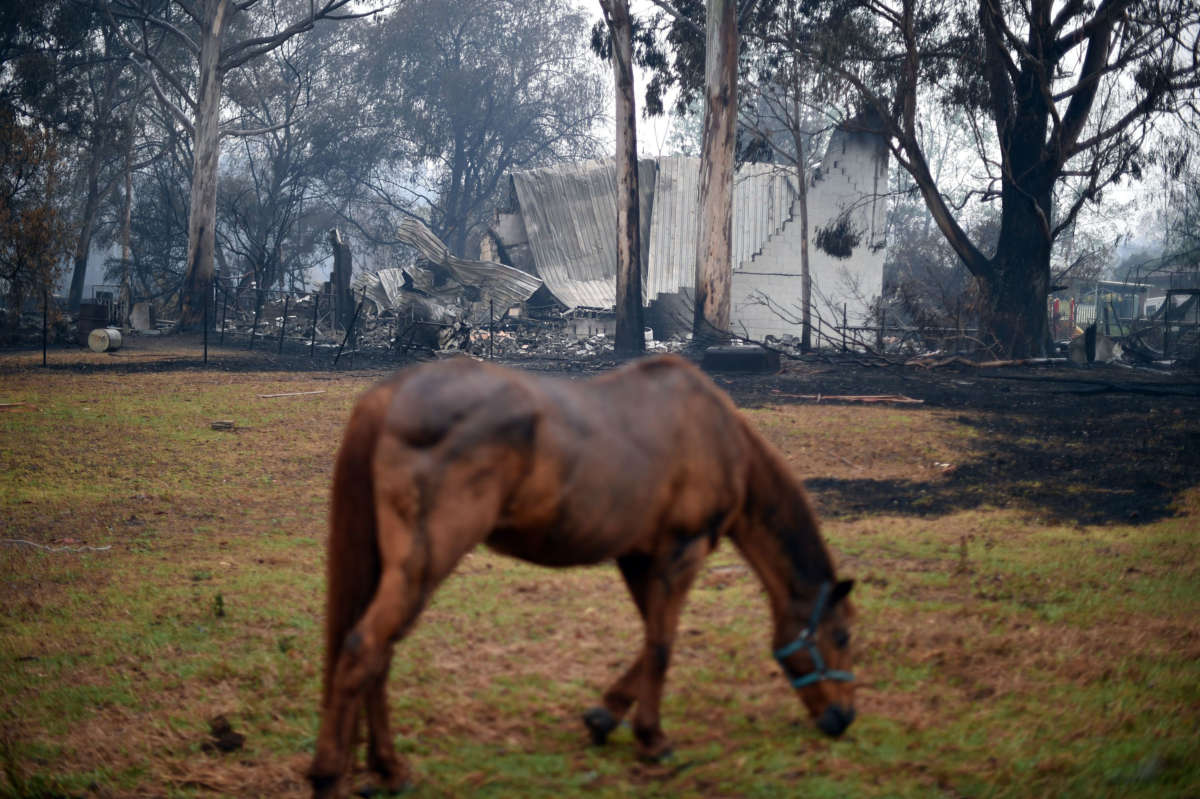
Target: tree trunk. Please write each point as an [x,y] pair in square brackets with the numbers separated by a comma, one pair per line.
[1014,289]
[714,247]
[630,339]
[343,298]
[206,149]
[805,274]
[127,228]
[83,244]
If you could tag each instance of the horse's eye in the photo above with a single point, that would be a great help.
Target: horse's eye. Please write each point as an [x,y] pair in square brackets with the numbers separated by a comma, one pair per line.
[841,638]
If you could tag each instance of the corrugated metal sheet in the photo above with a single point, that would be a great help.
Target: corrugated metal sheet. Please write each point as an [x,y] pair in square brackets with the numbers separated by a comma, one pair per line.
[673,227]
[570,215]
[503,284]
[763,195]
[506,285]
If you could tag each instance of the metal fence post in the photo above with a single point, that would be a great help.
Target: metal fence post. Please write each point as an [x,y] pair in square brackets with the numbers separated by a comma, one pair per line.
[258,304]
[491,327]
[844,327]
[45,322]
[312,347]
[287,298]
[206,328]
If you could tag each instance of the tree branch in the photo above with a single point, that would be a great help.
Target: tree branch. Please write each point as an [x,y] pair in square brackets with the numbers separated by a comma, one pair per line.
[243,51]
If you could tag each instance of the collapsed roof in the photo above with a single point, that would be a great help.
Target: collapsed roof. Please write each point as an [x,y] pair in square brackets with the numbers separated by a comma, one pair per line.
[445,277]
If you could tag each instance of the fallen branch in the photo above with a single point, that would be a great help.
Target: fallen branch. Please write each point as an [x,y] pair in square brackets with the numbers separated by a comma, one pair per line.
[848,462]
[22,541]
[928,363]
[898,398]
[290,394]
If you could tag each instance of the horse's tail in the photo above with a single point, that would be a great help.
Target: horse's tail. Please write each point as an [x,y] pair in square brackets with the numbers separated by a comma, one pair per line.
[352,553]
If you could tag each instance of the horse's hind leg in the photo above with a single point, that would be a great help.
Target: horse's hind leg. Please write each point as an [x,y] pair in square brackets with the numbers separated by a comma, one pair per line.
[361,670]
[381,753]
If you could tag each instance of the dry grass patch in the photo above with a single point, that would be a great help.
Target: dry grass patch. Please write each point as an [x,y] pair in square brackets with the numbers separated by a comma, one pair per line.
[999,653]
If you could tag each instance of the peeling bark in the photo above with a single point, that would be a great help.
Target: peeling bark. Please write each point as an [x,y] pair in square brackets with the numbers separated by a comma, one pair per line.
[714,246]
[87,223]
[206,151]
[629,339]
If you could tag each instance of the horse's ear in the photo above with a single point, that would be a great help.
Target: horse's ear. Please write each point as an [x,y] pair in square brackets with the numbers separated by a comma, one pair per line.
[840,591]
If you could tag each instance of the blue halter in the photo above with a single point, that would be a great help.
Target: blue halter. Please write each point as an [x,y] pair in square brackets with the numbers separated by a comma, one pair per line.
[806,641]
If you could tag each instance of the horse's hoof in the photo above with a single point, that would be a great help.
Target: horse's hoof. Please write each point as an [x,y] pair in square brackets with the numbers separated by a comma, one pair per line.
[600,723]
[391,774]
[323,785]
[369,792]
[657,757]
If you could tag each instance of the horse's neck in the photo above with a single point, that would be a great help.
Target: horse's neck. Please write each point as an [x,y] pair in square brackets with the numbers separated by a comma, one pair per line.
[780,536]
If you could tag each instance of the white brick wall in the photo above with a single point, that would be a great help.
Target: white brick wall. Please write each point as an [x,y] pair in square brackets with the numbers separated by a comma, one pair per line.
[853,171]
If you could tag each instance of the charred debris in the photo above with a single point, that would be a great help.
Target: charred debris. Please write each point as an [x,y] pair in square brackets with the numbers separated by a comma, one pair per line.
[437,303]
[442,303]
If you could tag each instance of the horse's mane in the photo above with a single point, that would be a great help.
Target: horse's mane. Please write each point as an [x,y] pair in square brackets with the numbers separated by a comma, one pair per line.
[776,500]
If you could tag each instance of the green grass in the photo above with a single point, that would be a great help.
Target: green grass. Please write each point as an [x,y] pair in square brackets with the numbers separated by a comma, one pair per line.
[1042,659]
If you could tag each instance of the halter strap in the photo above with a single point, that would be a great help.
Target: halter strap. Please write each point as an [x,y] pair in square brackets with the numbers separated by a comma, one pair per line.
[806,641]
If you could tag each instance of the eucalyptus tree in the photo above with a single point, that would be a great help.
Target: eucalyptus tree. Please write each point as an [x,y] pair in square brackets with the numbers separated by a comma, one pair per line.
[714,240]
[473,91]
[628,338]
[61,69]
[216,37]
[274,207]
[33,228]
[108,136]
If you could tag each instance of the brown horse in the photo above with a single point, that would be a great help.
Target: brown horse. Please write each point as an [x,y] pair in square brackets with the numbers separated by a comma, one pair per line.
[649,465]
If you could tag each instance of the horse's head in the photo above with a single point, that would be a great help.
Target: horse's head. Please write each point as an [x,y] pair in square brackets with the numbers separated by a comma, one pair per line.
[817,658]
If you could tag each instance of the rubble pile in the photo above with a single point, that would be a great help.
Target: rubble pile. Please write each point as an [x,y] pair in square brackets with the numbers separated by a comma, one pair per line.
[423,325]
[521,338]
[241,320]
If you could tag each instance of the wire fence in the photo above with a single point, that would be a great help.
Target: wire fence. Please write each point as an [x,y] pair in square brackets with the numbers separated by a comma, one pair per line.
[305,322]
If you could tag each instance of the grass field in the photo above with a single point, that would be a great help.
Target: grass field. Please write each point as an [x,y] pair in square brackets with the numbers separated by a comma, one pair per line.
[1001,651]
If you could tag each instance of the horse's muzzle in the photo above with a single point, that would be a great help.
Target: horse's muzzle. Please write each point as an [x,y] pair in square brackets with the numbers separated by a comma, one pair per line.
[835,720]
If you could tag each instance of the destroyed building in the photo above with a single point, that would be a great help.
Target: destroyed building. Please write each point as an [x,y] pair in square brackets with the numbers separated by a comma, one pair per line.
[560,224]
[442,293]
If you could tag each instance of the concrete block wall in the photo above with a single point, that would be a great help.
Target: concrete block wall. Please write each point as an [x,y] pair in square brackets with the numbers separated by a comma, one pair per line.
[851,179]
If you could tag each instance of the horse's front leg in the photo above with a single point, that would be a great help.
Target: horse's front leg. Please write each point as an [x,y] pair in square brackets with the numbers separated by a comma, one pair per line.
[665,587]
[620,696]
[666,598]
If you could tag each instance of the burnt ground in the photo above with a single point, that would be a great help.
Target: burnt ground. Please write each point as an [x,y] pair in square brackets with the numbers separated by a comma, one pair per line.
[1096,445]
[1102,444]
